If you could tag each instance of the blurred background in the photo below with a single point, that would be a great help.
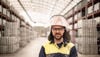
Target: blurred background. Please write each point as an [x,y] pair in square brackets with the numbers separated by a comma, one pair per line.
[25,25]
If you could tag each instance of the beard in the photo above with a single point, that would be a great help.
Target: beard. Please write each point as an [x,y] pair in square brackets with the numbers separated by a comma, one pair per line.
[58,36]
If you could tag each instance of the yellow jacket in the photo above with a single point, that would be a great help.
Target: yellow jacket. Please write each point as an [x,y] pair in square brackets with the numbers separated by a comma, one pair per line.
[52,49]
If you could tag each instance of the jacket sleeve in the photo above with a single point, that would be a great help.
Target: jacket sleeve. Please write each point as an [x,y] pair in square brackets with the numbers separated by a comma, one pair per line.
[42,52]
[73,52]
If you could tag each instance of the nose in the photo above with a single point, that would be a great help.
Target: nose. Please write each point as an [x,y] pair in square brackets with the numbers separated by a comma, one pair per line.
[57,31]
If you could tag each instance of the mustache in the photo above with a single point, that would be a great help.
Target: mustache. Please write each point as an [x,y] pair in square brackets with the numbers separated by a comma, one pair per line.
[57,34]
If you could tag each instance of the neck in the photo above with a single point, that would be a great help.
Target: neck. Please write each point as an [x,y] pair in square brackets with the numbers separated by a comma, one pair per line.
[58,41]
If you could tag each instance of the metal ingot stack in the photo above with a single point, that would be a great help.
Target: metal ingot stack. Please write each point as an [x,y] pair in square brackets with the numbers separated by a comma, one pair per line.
[23,36]
[88,37]
[9,43]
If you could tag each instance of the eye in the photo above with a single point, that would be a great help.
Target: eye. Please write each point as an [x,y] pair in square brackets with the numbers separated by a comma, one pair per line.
[55,29]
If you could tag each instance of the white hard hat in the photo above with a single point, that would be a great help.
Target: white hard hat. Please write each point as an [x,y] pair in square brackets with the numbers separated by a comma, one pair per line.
[59,20]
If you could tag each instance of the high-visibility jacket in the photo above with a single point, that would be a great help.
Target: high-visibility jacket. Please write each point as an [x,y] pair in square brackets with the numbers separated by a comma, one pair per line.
[52,50]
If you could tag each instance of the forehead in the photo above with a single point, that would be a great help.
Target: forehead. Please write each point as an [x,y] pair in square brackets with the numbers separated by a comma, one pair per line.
[57,26]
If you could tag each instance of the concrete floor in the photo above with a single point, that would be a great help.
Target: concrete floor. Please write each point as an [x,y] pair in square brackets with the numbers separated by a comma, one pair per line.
[32,50]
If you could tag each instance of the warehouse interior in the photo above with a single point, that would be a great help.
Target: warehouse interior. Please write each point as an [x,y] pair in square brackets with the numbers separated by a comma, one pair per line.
[24,25]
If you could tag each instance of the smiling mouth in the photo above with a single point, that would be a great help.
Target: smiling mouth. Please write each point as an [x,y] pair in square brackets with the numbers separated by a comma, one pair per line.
[58,36]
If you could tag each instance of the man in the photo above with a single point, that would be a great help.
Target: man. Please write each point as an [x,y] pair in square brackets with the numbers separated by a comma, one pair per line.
[59,44]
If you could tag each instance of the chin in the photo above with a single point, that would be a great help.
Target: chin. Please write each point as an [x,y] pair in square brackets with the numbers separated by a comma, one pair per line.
[58,38]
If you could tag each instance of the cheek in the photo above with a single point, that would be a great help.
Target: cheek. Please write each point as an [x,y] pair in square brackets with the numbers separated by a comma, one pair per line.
[62,32]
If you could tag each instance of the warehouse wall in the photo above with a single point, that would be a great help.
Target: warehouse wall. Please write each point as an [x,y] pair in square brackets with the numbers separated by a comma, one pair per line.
[15,33]
[83,19]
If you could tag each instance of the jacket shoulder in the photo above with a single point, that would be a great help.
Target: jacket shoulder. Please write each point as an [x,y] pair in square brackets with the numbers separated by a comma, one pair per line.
[70,45]
[46,43]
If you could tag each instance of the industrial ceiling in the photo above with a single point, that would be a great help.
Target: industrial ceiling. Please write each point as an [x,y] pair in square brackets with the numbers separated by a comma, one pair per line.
[40,11]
